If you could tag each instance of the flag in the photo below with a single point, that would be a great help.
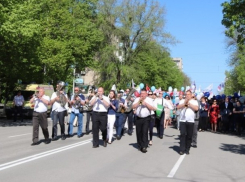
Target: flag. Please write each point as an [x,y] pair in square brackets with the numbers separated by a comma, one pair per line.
[114,88]
[221,87]
[193,87]
[147,88]
[209,88]
[132,84]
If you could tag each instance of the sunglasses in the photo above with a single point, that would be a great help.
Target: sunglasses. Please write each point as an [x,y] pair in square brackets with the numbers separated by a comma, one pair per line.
[150,94]
[76,90]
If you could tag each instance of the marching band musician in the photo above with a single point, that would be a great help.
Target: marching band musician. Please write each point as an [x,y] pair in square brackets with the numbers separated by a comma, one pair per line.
[59,100]
[111,115]
[187,118]
[39,117]
[89,111]
[100,105]
[143,106]
[129,113]
[77,102]
[120,115]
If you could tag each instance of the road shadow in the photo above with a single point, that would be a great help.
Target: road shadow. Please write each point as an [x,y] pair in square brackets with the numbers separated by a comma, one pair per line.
[169,135]
[15,124]
[135,145]
[237,149]
[175,148]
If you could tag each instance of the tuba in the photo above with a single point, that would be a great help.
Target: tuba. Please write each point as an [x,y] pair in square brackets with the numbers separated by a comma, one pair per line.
[129,102]
[62,96]
[120,109]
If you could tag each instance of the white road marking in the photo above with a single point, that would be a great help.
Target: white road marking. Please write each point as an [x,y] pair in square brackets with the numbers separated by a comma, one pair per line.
[19,135]
[40,155]
[176,166]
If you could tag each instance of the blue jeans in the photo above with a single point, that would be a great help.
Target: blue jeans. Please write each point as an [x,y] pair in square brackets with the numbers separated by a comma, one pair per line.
[119,123]
[80,123]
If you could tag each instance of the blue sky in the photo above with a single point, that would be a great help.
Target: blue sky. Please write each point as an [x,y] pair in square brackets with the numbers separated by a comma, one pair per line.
[197,24]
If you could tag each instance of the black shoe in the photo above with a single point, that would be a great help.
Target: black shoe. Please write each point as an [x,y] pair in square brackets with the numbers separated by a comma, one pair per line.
[54,138]
[79,136]
[95,146]
[35,143]
[118,137]
[194,146]
[69,136]
[63,137]
[105,143]
[181,153]
[47,141]
[187,152]
[129,133]
[161,137]
[143,150]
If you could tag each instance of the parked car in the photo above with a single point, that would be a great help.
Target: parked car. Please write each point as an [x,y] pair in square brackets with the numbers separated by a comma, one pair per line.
[27,91]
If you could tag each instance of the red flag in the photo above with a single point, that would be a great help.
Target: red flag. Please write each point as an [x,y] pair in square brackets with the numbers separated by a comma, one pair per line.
[147,88]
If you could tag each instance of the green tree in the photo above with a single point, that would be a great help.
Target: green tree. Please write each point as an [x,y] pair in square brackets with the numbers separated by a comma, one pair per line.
[70,37]
[234,19]
[129,26]
[18,43]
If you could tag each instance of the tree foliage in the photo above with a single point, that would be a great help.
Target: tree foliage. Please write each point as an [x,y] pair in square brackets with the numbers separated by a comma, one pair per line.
[43,40]
[133,45]
[234,21]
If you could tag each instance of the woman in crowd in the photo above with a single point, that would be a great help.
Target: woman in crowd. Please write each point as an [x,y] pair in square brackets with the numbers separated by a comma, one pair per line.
[203,115]
[167,118]
[213,113]
[153,117]
[111,115]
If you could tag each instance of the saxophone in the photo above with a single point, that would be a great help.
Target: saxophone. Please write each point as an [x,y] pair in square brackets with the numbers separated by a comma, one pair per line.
[62,96]
[77,104]
[129,102]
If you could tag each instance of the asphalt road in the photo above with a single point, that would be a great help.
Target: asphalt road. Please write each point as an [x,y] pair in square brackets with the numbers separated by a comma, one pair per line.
[218,157]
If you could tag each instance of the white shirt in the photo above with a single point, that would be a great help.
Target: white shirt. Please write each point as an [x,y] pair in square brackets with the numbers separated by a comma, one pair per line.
[18,100]
[39,106]
[56,105]
[99,105]
[143,111]
[187,114]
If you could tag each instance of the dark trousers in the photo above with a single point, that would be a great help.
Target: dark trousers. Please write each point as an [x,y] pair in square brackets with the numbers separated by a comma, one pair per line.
[18,109]
[58,116]
[142,130]
[203,123]
[186,131]
[39,119]
[119,123]
[89,116]
[151,125]
[129,115]
[194,135]
[159,125]
[225,123]
[99,120]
